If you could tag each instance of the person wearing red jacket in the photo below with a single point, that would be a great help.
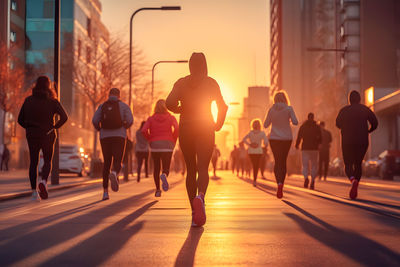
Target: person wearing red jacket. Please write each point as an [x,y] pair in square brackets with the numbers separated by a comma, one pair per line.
[162,131]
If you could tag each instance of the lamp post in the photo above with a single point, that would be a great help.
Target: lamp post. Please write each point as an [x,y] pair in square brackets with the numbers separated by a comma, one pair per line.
[152,72]
[163,8]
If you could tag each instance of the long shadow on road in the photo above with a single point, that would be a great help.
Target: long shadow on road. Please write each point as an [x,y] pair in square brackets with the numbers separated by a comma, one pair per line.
[361,249]
[101,246]
[187,253]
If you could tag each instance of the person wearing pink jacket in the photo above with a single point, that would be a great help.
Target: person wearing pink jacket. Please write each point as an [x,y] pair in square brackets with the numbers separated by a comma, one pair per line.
[162,131]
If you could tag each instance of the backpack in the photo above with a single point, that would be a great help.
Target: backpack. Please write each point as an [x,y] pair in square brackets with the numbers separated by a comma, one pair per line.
[110,115]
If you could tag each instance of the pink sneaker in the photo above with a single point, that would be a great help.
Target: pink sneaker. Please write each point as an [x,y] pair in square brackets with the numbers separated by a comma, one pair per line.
[279,192]
[199,211]
[43,190]
[353,190]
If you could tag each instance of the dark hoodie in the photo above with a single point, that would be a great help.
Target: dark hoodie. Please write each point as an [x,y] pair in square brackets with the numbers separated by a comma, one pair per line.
[310,133]
[37,115]
[192,96]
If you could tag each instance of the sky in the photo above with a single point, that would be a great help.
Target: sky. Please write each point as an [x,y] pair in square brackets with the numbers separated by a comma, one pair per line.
[233,35]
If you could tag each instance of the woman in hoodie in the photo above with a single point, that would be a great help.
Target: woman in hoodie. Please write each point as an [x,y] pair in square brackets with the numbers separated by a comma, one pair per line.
[37,116]
[192,96]
[254,139]
[162,131]
[279,116]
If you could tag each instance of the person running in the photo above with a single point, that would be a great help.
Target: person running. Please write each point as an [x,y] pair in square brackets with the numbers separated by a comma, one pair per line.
[192,96]
[254,139]
[141,152]
[162,131]
[112,119]
[352,121]
[5,158]
[326,140]
[280,139]
[242,158]
[37,116]
[310,136]
[214,159]
[234,158]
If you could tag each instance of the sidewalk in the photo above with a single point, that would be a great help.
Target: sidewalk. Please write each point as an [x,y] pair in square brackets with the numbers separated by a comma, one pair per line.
[15,183]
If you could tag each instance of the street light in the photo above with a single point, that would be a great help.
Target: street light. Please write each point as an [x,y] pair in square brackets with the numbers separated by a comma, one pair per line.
[163,8]
[152,72]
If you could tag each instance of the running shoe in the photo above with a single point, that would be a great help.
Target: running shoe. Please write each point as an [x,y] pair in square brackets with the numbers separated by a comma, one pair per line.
[353,190]
[199,211]
[43,190]
[35,196]
[306,183]
[105,196]
[114,181]
[312,185]
[158,193]
[165,185]
[279,192]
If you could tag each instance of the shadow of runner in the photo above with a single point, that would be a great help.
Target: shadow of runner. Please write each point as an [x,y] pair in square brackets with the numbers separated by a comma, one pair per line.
[357,247]
[188,251]
[100,247]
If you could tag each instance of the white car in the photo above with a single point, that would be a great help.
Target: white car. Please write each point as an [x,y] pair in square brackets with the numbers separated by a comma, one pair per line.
[70,160]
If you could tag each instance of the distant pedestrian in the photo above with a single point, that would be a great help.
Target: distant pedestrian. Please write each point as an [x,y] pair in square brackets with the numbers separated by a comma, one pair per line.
[192,97]
[214,159]
[353,121]
[280,139]
[263,161]
[112,119]
[242,158]
[326,140]
[234,158]
[5,158]
[162,131]
[37,116]
[254,139]
[127,160]
[141,152]
[310,136]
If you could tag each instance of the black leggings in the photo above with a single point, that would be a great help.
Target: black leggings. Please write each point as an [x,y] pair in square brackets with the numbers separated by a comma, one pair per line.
[197,144]
[353,156]
[323,163]
[46,144]
[255,162]
[158,157]
[140,157]
[113,152]
[280,150]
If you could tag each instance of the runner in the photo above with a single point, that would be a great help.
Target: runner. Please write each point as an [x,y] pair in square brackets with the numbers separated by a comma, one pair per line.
[112,119]
[141,152]
[353,121]
[158,131]
[280,139]
[234,158]
[326,139]
[254,139]
[242,158]
[310,136]
[192,96]
[37,117]
[214,159]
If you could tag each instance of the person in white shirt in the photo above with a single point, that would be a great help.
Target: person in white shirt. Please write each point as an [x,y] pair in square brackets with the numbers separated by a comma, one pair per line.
[254,139]
[279,116]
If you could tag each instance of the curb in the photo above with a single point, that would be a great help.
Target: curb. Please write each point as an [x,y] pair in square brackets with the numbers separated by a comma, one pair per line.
[10,196]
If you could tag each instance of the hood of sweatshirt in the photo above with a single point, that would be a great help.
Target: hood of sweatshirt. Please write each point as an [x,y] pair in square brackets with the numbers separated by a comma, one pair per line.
[160,117]
[309,122]
[279,106]
[198,65]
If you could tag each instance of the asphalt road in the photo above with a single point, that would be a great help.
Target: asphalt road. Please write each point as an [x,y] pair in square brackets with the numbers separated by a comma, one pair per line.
[246,225]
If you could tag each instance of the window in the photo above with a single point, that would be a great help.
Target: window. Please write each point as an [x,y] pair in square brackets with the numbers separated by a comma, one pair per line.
[88,27]
[13,36]
[14,5]
[79,48]
[88,54]
[48,9]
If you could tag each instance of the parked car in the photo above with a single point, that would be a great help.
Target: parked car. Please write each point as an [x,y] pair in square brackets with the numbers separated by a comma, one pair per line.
[390,164]
[336,167]
[371,167]
[70,160]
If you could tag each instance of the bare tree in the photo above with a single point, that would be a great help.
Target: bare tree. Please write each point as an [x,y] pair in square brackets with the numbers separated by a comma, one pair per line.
[11,83]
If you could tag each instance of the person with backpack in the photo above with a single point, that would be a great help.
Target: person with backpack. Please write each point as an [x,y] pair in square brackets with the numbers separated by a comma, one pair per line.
[279,116]
[141,152]
[192,97]
[112,119]
[310,136]
[254,139]
[37,117]
[355,121]
[162,131]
